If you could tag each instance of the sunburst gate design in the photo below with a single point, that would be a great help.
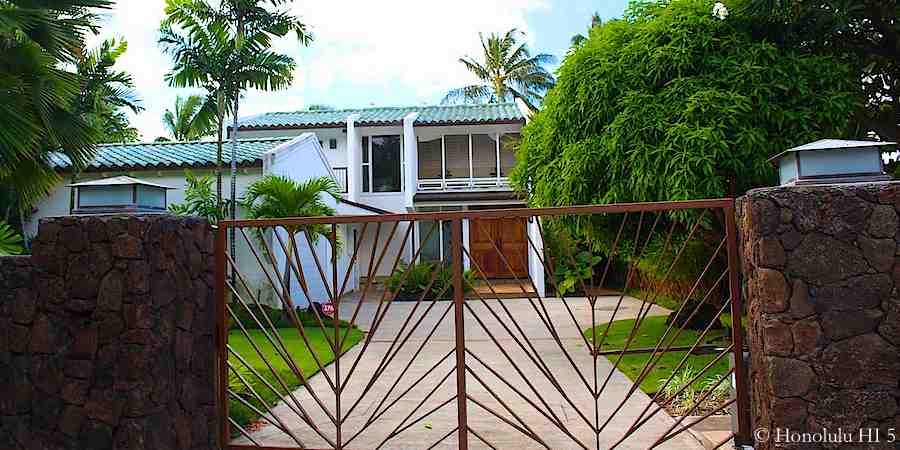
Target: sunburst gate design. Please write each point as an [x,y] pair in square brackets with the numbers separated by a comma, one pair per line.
[473,362]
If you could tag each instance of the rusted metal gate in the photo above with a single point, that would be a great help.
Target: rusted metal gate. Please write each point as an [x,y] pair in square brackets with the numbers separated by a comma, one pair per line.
[449,358]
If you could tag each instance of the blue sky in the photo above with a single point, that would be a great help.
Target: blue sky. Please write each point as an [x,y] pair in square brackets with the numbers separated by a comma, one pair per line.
[382,53]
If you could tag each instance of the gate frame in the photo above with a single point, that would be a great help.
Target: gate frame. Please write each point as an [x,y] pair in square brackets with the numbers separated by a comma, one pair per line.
[742,436]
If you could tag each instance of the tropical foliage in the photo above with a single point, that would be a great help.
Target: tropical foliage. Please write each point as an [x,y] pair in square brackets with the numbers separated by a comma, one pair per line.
[106,93]
[192,119]
[864,33]
[39,43]
[225,48]
[507,71]
[675,104]
[10,241]
[579,39]
[275,196]
[200,199]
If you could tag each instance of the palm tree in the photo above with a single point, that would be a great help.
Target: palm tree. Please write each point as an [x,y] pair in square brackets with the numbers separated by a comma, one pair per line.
[508,72]
[274,196]
[579,38]
[192,118]
[253,26]
[106,93]
[39,44]
[202,58]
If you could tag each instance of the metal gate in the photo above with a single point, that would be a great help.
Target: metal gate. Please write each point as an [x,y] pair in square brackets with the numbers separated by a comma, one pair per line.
[612,339]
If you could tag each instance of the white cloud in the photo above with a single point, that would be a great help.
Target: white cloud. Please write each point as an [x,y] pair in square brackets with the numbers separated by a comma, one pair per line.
[416,43]
[359,46]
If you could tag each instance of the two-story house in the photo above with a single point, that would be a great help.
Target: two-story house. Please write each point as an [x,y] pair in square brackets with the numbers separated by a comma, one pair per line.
[422,158]
[398,159]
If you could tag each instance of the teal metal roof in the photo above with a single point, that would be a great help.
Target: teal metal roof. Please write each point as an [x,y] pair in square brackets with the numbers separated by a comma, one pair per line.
[170,155]
[428,115]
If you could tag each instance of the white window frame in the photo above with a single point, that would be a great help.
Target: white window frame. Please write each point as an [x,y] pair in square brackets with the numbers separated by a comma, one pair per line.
[368,166]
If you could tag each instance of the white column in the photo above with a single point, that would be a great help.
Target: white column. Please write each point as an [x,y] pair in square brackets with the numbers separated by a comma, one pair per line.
[411,157]
[535,268]
[354,154]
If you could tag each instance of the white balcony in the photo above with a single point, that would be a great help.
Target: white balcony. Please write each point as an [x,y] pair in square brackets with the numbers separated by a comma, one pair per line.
[463,184]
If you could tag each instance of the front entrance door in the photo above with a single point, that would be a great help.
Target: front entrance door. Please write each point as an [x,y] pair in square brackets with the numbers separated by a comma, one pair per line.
[508,235]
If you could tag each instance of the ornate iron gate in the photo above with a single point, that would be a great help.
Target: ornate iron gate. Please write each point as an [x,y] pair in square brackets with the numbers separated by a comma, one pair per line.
[576,354]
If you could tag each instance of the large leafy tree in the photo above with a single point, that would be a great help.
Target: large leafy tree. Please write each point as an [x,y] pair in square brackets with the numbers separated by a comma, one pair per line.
[39,43]
[507,71]
[676,104]
[672,103]
[274,196]
[865,33]
[192,118]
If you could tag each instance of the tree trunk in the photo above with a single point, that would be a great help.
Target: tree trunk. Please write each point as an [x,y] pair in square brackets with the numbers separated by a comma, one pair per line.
[220,119]
[233,208]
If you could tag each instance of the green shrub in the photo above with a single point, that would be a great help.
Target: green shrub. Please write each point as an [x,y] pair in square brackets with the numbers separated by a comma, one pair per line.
[570,277]
[419,277]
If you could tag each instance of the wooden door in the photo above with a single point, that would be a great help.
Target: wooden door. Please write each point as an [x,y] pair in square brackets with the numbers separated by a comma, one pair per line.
[508,235]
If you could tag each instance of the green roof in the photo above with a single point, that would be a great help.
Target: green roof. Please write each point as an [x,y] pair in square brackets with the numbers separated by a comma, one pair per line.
[428,115]
[171,155]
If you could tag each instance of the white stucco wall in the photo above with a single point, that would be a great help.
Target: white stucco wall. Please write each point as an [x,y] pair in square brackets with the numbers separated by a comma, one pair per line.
[303,159]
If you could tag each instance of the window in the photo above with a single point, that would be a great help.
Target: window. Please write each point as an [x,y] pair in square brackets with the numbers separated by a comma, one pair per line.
[381,163]
[332,144]
[508,144]
[484,156]
[365,165]
[430,156]
[456,148]
[436,248]
[341,174]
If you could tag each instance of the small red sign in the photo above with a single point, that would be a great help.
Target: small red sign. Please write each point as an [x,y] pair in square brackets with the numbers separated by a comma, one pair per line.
[328,309]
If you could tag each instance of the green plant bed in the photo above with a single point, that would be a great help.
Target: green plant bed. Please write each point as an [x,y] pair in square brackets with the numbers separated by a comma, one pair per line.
[650,332]
[279,317]
[299,352]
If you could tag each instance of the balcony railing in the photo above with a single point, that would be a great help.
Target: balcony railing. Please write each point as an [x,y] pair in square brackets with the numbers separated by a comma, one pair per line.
[460,184]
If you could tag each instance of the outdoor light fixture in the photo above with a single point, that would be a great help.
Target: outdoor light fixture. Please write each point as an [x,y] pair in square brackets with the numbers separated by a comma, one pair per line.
[119,195]
[830,161]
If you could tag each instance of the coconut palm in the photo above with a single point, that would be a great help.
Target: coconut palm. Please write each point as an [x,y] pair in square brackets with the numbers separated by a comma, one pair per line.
[274,196]
[192,118]
[507,72]
[39,43]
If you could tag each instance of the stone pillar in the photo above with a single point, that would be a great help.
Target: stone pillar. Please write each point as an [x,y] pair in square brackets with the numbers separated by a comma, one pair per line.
[107,336]
[821,279]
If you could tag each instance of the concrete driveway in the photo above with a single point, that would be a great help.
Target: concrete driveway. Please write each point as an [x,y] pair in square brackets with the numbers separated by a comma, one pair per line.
[499,362]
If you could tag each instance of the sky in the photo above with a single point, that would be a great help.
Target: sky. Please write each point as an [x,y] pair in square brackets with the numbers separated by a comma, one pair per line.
[364,53]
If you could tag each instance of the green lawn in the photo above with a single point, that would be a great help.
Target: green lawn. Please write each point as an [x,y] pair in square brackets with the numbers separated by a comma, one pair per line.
[299,352]
[650,332]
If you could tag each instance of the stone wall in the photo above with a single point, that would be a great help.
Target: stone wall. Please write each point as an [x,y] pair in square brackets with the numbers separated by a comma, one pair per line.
[824,312]
[107,336]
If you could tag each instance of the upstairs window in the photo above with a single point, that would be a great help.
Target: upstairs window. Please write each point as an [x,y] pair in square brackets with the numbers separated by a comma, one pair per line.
[381,163]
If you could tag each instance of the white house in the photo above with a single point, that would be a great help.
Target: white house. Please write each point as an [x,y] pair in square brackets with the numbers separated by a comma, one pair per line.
[398,159]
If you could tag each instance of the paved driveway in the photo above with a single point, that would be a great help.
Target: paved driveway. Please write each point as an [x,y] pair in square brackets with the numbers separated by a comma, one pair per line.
[496,359]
